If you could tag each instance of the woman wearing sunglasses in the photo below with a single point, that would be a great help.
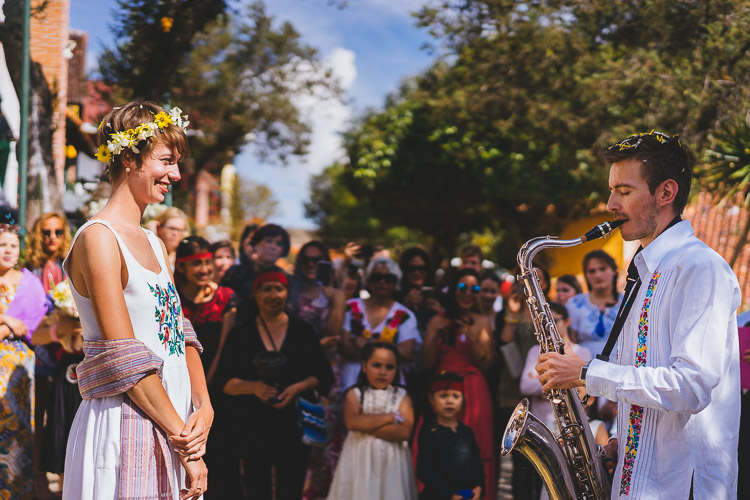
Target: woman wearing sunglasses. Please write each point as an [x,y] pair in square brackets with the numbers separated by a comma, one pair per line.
[48,242]
[378,318]
[311,299]
[460,341]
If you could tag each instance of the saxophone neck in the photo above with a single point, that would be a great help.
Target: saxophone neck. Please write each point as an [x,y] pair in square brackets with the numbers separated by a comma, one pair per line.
[534,246]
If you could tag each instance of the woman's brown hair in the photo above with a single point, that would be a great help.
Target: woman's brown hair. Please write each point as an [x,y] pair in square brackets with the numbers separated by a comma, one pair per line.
[130,116]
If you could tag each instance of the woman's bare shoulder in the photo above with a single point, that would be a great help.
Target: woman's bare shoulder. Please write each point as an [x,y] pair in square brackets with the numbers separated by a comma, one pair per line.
[95,245]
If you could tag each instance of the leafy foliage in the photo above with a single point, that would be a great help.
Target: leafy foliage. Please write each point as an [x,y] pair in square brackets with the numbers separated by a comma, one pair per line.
[153,40]
[236,74]
[727,169]
[504,132]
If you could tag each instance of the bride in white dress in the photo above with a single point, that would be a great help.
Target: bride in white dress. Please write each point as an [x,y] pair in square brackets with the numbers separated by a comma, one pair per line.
[123,287]
[375,463]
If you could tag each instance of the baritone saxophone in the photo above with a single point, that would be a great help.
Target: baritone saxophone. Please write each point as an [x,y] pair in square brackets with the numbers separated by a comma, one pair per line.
[569,462]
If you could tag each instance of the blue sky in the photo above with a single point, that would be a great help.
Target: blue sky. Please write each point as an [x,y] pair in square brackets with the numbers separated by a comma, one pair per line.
[371,45]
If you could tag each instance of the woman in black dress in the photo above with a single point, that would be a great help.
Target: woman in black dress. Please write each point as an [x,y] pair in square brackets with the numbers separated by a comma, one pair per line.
[270,358]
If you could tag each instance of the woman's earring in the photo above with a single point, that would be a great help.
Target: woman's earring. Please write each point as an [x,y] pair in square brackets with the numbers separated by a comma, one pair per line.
[127,169]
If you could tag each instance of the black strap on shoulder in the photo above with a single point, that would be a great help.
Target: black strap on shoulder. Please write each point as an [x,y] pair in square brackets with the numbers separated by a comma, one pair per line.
[631,291]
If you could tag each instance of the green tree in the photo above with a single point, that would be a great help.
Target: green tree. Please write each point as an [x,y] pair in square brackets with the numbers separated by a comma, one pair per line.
[257,200]
[251,201]
[153,38]
[504,132]
[727,170]
[236,74]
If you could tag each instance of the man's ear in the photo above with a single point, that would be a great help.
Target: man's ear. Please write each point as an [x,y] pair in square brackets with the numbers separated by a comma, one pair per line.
[667,192]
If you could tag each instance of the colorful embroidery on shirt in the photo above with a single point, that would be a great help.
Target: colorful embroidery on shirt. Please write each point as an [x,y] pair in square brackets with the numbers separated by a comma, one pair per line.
[636,412]
[389,332]
[168,314]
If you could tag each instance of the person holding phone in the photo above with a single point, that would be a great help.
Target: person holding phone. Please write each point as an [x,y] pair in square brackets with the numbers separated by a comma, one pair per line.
[460,341]
[311,291]
[417,292]
[311,299]
[377,318]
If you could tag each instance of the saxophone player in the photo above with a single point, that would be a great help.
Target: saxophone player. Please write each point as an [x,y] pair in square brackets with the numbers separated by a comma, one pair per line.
[675,377]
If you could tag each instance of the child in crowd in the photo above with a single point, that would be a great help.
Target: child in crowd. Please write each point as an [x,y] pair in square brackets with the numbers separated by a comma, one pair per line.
[374,462]
[449,463]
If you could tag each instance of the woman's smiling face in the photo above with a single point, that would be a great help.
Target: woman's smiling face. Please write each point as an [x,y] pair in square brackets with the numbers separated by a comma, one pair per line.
[150,183]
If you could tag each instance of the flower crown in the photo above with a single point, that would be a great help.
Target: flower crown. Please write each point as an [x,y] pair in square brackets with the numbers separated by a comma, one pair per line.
[8,224]
[132,136]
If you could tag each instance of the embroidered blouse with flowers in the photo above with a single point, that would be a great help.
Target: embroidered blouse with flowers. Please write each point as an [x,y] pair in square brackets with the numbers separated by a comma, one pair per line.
[25,301]
[399,325]
[99,443]
[206,318]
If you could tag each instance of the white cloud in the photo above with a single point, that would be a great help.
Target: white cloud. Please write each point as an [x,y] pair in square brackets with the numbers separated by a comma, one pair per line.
[327,117]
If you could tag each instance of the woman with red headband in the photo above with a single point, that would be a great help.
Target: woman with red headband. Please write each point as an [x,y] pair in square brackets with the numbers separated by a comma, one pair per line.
[209,307]
[270,358]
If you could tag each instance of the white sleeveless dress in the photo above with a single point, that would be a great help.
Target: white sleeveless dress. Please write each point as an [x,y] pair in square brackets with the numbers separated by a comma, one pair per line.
[92,459]
[371,468]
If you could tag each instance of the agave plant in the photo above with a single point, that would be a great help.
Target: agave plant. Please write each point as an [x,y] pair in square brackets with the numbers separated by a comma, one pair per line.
[727,168]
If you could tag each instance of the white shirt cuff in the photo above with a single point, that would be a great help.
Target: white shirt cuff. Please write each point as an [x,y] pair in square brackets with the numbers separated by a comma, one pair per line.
[599,379]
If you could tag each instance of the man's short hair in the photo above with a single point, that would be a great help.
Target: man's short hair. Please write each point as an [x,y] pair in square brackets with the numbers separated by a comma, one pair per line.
[662,157]
[470,251]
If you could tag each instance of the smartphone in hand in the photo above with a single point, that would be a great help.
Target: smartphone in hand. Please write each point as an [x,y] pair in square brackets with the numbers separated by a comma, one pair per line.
[323,272]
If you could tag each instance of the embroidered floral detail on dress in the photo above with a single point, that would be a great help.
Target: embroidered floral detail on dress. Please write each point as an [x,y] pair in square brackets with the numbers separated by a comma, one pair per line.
[635,417]
[389,332]
[168,314]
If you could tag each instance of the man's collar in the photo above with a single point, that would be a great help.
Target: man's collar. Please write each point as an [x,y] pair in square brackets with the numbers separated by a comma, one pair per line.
[652,255]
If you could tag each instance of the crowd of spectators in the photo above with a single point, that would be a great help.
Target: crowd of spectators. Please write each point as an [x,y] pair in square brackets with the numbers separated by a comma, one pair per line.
[360,338]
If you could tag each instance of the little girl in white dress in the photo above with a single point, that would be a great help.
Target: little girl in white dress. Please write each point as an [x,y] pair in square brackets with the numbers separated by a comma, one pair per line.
[375,463]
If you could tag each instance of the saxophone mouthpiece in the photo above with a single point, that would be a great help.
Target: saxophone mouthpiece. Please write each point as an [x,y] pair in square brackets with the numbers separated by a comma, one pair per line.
[602,230]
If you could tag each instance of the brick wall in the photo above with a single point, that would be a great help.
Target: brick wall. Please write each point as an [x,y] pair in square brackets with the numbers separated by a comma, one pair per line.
[49,37]
[718,224]
[77,67]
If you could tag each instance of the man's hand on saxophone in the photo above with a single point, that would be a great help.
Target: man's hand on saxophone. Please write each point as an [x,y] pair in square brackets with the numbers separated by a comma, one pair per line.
[560,371]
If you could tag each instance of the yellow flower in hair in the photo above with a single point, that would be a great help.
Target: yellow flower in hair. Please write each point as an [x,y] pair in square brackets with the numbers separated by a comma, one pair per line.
[163,120]
[103,154]
[130,138]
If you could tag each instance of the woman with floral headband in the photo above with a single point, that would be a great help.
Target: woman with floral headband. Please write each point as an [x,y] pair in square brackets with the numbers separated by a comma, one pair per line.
[23,304]
[141,429]
[377,318]
[210,307]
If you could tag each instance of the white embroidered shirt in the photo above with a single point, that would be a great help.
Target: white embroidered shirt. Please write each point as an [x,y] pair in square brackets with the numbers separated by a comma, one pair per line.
[676,379]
